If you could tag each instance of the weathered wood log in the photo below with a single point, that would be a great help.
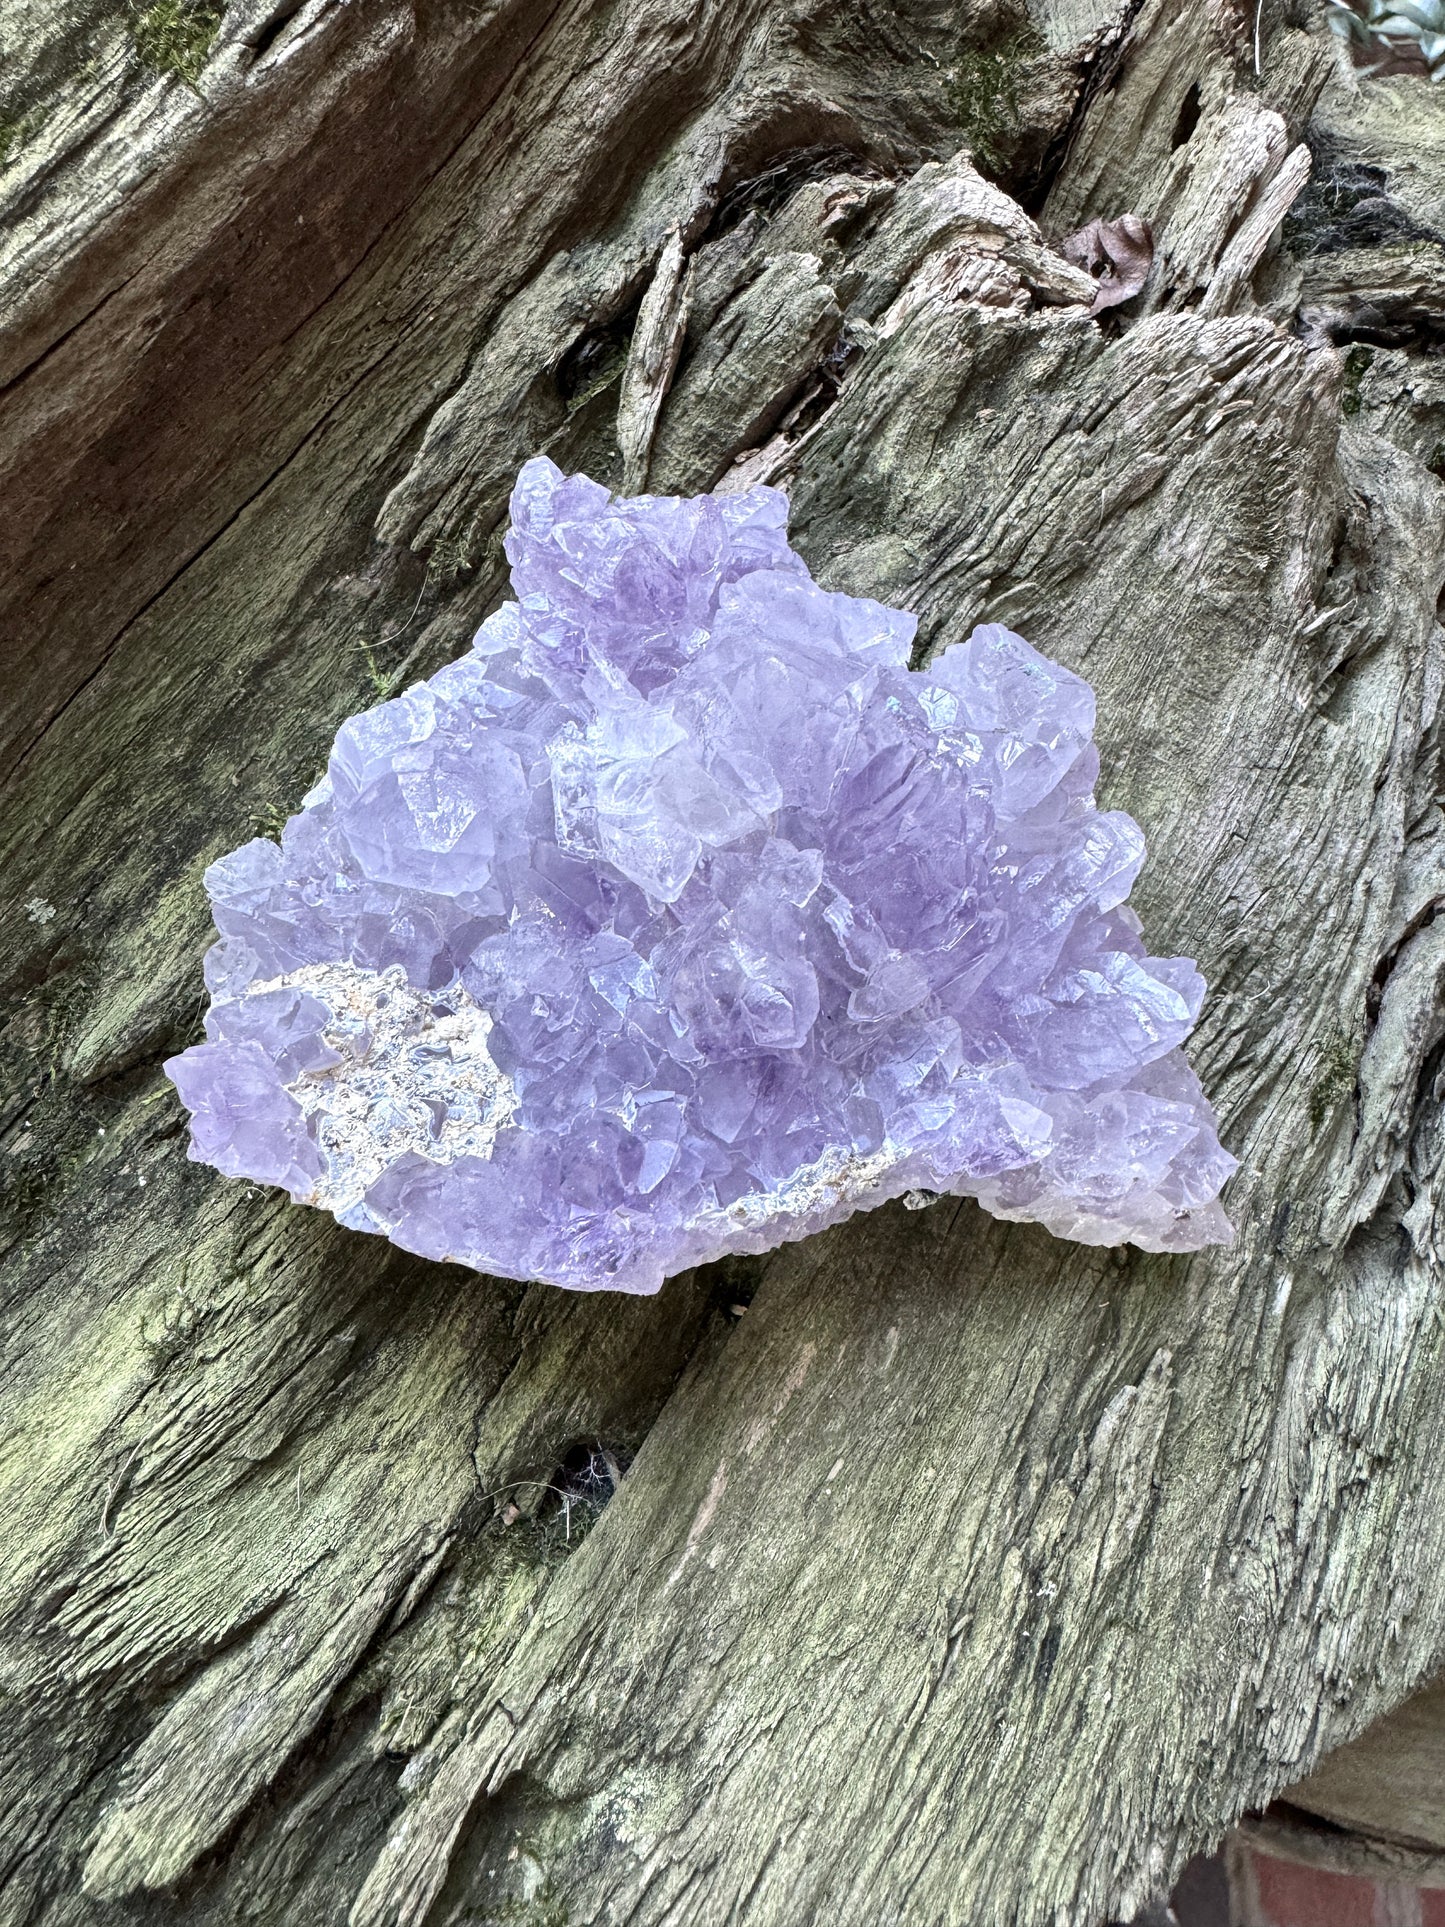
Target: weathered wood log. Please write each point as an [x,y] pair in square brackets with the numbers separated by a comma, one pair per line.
[929,1571]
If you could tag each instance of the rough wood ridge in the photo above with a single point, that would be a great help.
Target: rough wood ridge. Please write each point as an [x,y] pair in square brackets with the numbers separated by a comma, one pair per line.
[932,1571]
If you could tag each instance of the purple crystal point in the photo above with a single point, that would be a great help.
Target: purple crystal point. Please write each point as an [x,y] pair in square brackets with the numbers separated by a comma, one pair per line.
[680,918]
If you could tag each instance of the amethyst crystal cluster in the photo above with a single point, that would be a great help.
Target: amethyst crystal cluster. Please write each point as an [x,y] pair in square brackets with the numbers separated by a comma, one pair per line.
[680,918]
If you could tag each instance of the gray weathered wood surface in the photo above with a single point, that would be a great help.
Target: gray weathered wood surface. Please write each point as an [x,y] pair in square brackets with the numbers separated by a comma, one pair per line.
[953,1574]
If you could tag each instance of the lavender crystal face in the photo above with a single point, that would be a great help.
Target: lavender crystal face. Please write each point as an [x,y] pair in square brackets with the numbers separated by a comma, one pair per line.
[679,918]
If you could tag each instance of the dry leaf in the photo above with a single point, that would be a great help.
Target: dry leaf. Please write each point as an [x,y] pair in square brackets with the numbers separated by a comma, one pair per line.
[1119,255]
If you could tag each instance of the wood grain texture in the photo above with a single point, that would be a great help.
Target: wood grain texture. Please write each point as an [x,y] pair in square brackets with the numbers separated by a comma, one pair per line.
[935,1571]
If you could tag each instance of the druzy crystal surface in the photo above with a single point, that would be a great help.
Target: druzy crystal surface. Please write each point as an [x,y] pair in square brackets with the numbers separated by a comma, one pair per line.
[680,918]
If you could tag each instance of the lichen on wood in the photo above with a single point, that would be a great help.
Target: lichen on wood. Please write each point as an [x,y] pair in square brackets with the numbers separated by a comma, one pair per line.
[174,36]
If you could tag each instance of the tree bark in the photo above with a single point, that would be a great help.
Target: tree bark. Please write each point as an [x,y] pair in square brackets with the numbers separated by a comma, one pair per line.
[929,1571]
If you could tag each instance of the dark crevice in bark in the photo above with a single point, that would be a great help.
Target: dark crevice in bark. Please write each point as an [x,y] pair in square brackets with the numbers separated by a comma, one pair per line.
[1100,70]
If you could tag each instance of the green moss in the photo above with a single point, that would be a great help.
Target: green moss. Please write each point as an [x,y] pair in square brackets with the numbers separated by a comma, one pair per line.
[1335,1082]
[269,821]
[1358,363]
[15,130]
[383,681]
[983,91]
[596,356]
[450,559]
[174,36]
